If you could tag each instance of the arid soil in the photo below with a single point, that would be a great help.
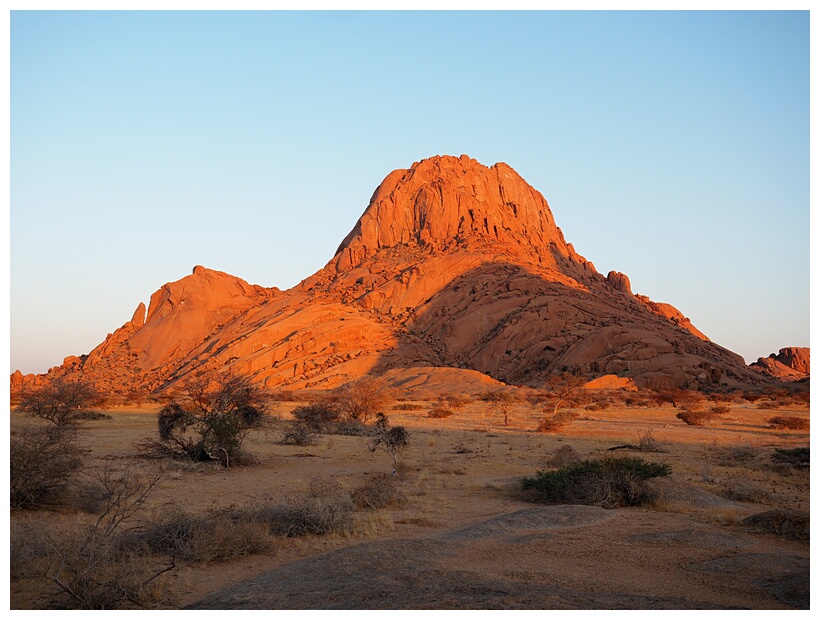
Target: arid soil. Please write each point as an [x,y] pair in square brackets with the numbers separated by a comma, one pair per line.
[464,539]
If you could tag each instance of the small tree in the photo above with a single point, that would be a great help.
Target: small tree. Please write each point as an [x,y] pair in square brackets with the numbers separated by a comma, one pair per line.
[360,399]
[60,401]
[391,440]
[504,401]
[563,389]
[219,412]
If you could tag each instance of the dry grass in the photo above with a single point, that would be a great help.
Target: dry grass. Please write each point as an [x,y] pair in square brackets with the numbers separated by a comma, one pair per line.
[455,475]
[440,411]
[378,491]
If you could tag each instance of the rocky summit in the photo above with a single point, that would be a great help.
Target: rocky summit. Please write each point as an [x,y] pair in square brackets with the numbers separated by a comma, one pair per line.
[455,272]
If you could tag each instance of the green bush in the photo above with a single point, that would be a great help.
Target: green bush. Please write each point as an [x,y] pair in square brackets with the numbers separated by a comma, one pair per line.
[212,423]
[603,482]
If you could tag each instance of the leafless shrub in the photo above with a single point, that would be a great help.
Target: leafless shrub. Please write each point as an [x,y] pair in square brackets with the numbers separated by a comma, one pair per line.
[557,421]
[216,536]
[440,411]
[697,418]
[744,490]
[795,457]
[647,441]
[318,415]
[720,409]
[362,399]
[300,434]
[378,491]
[325,509]
[408,407]
[93,569]
[60,401]
[564,456]
[29,548]
[792,423]
[351,428]
[456,401]
[43,462]
[743,456]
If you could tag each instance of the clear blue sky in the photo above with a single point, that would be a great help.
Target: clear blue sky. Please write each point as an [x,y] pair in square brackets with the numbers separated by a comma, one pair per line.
[671,146]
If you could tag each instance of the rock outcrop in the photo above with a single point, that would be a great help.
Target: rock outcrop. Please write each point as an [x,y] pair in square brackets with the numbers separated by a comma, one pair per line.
[452,265]
[789,364]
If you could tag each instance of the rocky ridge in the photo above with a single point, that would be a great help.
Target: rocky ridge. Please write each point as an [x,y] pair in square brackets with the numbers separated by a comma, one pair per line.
[452,265]
[789,364]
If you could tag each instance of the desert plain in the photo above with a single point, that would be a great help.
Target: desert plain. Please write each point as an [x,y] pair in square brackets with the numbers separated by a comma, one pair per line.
[460,534]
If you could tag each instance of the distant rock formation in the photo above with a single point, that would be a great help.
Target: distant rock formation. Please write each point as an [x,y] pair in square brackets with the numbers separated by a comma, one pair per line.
[790,364]
[452,265]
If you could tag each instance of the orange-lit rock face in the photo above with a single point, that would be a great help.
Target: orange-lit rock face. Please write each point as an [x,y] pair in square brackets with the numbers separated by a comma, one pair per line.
[790,364]
[453,265]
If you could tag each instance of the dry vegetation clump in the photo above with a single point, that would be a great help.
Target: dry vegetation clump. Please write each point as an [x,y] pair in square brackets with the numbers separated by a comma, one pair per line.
[557,421]
[646,443]
[408,406]
[739,456]
[598,405]
[29,548]
[741,489]
[802,398]
[440,411]
[786,422]
[456,401]
[563,456]
[300,434]
[361,399]
[43,462]
[787,523]
[95,567]
[603,482]
[719,409]
[752,397]
[216,536]
[795,457]
[317,416]
[378,491]
[698,417]
[325,509]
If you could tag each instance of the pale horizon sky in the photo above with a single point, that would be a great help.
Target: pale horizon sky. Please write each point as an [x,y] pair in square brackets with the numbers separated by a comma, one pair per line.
[671,146]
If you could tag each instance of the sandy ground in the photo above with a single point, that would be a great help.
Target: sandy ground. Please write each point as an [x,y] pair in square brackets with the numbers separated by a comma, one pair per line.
[464,539]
